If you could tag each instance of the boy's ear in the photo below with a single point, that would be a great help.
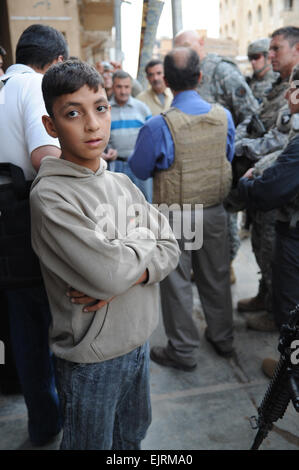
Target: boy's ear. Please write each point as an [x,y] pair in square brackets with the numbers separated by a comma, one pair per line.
[49,126]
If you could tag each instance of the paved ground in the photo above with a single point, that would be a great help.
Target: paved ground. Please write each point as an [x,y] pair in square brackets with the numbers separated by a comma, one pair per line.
[208,408]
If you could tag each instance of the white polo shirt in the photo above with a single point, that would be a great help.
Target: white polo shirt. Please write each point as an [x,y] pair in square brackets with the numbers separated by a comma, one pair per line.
[21,110]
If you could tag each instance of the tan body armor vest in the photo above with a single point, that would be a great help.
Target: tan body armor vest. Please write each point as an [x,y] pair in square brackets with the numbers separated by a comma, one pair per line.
[200,173]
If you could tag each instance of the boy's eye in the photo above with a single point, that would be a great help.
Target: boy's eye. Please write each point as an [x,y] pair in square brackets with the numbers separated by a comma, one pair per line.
[73,114]
[102,109]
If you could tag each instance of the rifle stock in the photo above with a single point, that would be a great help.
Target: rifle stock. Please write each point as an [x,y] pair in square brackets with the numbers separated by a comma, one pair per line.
[284,385]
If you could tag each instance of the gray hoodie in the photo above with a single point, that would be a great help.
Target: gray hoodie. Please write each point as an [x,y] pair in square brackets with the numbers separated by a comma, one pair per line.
[84,239]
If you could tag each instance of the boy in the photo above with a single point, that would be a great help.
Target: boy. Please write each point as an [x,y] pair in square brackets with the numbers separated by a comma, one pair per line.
[78,211]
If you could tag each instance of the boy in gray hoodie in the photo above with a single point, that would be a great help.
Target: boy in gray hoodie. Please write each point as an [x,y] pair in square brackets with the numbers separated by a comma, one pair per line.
[94,231]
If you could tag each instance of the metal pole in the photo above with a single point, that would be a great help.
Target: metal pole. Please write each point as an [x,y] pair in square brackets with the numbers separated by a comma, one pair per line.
[152,10]
[117,24]
[177,23]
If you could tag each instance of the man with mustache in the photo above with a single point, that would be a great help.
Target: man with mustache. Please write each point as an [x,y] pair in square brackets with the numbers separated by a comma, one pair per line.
[158,97]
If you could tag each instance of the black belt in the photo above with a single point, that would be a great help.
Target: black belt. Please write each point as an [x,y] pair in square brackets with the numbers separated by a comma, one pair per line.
[122,159]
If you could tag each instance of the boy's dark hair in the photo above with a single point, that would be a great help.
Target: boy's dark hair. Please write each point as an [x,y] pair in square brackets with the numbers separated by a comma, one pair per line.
[67,77]
[152,63]
[2,51]
[39,45]
[182,72]
[121,74]
[290,33]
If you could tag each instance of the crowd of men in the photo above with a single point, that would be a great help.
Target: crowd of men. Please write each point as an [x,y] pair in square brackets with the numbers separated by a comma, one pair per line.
[201,134]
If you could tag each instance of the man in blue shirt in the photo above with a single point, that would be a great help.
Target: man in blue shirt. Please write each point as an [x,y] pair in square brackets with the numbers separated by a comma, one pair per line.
[187,151]
[159,155]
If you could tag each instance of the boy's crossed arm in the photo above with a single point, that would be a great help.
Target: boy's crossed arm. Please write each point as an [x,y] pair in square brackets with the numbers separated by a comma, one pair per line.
[91,304]
[65,240]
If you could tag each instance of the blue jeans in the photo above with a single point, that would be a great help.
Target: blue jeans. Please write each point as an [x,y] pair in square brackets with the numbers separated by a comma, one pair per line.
[29,317]
[106,405]
[146,186]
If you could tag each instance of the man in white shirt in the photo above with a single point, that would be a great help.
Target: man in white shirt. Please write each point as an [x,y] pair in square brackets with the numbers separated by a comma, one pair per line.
[158,97]
[24,142]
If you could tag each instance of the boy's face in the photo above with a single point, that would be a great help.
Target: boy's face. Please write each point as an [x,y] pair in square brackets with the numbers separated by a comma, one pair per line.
[81,121]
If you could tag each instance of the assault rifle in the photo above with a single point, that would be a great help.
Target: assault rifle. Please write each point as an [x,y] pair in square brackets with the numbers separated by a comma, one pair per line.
[284,386]
[256,127]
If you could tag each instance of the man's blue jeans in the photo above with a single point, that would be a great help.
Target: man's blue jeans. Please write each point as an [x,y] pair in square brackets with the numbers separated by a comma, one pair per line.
[146,186]
[29,317]
[106,405]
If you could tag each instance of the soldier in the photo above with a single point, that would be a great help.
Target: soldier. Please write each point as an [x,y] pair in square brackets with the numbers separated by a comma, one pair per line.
[278,188]
[263,76]
[255,145]
[223,83]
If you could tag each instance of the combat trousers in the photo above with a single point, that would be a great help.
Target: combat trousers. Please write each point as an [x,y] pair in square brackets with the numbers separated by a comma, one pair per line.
[233,233]
[212,276]
[262,240]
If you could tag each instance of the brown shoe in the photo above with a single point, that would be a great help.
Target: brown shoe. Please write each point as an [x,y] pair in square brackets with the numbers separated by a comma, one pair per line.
[253,304]
[268,367]
[264,322]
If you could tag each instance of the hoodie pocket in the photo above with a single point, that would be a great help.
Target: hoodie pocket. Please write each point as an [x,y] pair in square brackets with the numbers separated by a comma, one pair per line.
[94,344]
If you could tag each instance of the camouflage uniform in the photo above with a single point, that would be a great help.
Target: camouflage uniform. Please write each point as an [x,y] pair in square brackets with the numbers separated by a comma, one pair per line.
[263,223]
[284,258]
[260,86]
[257,147]
[223,83]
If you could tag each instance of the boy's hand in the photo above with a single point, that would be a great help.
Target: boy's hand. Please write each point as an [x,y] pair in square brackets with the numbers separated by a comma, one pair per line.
[111,154]
[90,304]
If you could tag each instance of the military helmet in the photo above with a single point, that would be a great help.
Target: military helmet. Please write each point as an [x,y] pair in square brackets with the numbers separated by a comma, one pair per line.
[259,46]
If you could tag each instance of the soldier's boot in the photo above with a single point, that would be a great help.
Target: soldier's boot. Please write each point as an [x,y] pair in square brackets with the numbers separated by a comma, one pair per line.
[263,323]
[254,304]
[269,366]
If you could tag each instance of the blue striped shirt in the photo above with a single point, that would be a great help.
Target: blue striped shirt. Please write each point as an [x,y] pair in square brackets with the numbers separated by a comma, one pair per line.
[126,122]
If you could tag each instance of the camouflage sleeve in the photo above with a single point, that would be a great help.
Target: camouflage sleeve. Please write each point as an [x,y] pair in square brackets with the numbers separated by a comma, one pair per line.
[241,130]
[265,163]
[254,149]
[242,102]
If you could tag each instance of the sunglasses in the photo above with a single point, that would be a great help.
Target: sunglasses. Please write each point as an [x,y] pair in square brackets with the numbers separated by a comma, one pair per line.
[255,57]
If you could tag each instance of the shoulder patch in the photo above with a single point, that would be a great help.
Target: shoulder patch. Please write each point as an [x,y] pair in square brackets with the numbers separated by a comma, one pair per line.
[241,91]
[285,118]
